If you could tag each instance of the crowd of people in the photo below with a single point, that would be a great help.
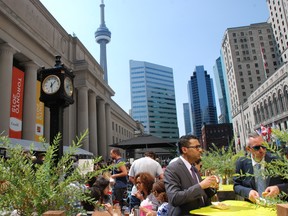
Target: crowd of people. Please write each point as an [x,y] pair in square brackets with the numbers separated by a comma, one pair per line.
[179,188]
[145,186]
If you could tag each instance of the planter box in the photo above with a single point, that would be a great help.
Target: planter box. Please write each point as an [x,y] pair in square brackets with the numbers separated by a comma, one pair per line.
[54,213]
[282,209]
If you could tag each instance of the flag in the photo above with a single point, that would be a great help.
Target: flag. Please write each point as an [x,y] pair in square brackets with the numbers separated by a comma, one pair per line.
[269,132]
[264,130]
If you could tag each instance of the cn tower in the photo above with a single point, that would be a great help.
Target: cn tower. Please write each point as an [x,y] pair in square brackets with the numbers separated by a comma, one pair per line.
[103,36]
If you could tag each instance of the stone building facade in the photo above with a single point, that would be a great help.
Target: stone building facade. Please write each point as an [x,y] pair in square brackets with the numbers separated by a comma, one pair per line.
[30,37]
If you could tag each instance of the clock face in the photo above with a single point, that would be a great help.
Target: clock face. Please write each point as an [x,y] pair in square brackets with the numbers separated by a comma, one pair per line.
[68,86]
[51,84]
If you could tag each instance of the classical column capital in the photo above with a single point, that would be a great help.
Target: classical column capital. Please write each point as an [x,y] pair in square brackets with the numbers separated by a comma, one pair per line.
[30,65]
[6,49]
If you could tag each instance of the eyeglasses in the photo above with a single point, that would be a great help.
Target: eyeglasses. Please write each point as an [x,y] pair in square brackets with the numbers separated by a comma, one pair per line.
[196,147]
[257,148]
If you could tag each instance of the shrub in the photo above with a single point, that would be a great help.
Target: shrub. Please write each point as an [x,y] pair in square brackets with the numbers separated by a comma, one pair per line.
[34,190]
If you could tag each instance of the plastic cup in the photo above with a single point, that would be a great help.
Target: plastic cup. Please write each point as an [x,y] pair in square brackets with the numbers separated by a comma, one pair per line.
[142,213]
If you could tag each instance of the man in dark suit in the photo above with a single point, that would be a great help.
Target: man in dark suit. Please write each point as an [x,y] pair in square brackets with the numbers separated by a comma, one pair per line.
[247,183]
[184,187]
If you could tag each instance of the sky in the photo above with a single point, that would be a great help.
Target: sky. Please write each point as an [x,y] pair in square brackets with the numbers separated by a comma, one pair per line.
[180,34]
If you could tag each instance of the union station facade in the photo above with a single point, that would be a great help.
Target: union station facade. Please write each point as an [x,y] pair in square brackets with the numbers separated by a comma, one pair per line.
[267,106]
[30,37]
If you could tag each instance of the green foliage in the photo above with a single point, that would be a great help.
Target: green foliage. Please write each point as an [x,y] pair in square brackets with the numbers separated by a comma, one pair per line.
[221,161]
[278,167]
[31,190]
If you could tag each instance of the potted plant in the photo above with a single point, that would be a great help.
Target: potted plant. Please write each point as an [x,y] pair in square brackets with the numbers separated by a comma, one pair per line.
[33,191]
[221,162]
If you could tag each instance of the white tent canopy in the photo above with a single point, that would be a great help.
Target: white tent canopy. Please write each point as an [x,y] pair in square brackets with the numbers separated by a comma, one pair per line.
[41,147]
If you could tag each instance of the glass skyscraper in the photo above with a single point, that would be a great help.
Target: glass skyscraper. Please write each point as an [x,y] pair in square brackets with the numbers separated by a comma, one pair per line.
[202,100]
[187,118]
[153,99]
[220,86]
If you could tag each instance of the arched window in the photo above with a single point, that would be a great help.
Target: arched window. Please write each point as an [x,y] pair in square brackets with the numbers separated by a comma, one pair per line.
[262,111]
[280,101]
[270,107]
[258,114]
[266,112]
[286,98]
[255,116]
[275,104]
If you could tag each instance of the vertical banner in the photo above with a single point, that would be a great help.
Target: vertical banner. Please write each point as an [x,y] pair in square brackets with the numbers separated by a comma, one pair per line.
[16,107]
[39,127]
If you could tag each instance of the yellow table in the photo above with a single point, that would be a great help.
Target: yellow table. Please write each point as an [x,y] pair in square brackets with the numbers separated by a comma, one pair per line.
[226,187]
[236,208]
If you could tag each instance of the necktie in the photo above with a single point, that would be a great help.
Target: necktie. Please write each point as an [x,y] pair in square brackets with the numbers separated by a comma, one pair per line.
[196,181]
[260,179]
[194,175]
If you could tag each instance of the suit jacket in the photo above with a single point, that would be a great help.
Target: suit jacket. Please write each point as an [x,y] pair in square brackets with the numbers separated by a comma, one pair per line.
[184,194]
[243,185]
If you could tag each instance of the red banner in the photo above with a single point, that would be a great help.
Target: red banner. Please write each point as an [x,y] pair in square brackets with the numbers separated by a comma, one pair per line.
[16,103]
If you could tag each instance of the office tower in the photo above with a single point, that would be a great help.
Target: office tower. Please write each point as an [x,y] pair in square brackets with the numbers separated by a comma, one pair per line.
[279,20]
[153,99]
[103,36]
[220,86]
[250,57]
[201,100]
[187,118]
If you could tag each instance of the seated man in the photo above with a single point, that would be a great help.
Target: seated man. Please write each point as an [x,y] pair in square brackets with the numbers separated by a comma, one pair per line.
[251,183]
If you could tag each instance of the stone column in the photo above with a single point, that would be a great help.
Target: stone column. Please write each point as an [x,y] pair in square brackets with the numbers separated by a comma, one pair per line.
[83,114]
[108,126]
[6,65]
[29,108]
[93,124]
[101,129]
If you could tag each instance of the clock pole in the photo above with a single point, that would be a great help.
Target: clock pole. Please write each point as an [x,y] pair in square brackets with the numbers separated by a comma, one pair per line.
[56,126]
[57,92]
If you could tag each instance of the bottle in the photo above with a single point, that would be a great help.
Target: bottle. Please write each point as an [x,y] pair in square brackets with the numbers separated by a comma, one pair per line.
[136,211]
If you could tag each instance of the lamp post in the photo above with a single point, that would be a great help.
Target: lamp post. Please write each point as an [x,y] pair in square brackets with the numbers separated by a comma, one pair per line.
[57,91]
